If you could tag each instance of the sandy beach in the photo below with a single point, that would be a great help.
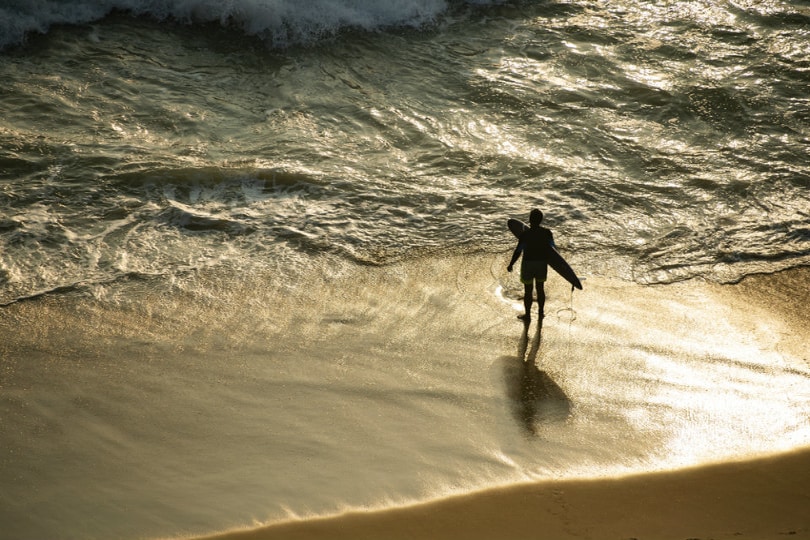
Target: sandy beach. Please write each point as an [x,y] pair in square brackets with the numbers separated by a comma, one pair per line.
[710,427]
[763,499]
[254,270]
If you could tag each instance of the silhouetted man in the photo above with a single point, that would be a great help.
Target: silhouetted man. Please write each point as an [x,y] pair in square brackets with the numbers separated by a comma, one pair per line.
[534,244]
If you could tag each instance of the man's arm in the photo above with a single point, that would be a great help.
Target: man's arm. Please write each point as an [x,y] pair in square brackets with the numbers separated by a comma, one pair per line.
[515,256]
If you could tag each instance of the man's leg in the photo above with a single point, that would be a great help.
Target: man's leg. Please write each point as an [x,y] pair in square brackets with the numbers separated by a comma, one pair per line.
[541,298]
[528,290]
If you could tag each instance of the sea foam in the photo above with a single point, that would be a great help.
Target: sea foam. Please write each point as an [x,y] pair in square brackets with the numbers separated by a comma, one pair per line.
[281,22]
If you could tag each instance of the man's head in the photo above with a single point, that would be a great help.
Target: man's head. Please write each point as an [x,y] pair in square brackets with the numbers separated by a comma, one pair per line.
[535,217]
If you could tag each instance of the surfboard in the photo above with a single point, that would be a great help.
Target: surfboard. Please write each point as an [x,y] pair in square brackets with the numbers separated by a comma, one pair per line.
[555,260]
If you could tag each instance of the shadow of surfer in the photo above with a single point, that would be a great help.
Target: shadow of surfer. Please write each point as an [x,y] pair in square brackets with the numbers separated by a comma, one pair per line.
[535,397]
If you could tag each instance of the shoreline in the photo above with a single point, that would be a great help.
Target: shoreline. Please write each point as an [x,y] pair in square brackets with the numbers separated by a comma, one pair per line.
[765,498]
[109,367]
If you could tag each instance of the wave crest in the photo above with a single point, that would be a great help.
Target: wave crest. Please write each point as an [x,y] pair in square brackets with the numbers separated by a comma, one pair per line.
[280,22]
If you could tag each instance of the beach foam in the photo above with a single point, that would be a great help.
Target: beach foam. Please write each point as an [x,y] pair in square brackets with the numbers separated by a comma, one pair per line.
[284,22]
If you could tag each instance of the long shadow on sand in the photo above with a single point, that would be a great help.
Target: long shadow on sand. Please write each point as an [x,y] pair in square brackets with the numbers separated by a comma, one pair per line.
[535,397]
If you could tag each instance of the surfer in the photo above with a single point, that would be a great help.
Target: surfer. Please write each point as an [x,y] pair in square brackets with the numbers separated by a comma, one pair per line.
[533,243]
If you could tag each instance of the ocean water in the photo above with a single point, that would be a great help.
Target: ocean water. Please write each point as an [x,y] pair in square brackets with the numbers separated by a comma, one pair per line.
[252,253]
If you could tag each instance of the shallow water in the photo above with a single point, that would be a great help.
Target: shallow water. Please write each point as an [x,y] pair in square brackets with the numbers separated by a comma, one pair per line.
[182,411]
[253,257]
[662,142]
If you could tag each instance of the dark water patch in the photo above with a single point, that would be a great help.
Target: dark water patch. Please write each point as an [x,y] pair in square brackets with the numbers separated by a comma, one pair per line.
[635,94]
[673,51]
[733,36]
[557,9]
[798,179]
[590,35]
[798,19]
[721,107]
[187,179]
[15,167]
[184,217]
[8,225]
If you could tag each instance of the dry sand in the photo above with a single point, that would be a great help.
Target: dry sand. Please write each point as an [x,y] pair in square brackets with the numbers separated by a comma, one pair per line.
[763,499]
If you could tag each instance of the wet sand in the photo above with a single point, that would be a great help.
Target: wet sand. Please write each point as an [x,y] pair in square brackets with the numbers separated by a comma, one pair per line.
[134,476]
[762,498]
